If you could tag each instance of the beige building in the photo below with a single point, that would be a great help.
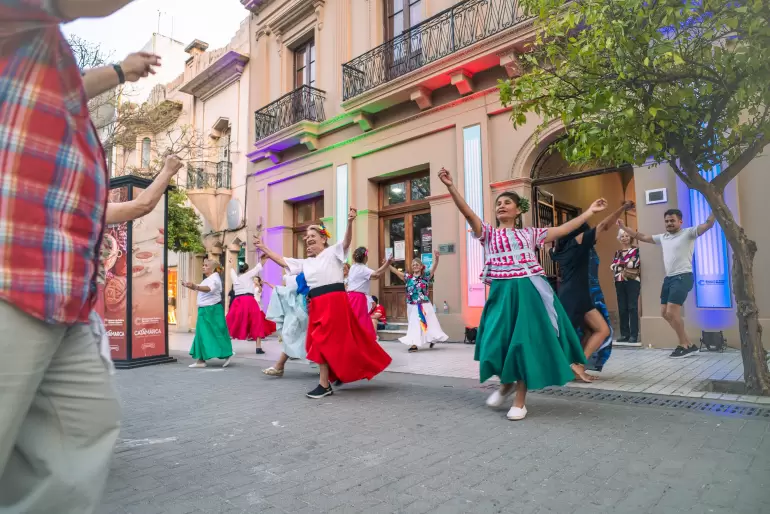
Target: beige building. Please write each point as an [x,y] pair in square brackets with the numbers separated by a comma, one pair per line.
[360,103]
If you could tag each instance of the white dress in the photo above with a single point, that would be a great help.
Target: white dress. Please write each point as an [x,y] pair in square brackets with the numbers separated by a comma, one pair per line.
[288,310]
[416,335]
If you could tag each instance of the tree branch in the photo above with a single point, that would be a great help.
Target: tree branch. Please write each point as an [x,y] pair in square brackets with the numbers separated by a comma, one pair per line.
[729,173]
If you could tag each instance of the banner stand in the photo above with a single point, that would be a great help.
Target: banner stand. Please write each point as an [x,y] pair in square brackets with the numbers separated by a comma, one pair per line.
[136,289]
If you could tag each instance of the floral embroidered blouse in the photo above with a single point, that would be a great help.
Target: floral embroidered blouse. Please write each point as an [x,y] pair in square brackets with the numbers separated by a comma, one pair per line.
[510,253]
[417,288]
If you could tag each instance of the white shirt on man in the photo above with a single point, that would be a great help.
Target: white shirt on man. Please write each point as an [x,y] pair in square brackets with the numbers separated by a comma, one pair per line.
[678,249]
[323,270]
[244,283]
[214,296]
[359,279]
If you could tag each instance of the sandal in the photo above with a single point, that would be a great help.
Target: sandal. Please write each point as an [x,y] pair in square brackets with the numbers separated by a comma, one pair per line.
[273,372]
[412,349]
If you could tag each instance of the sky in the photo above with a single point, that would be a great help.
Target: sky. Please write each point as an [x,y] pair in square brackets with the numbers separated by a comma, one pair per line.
[126,31]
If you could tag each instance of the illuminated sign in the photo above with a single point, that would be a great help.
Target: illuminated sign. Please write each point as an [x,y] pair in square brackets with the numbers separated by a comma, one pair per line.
[342,202]
[474,195]
[712,267]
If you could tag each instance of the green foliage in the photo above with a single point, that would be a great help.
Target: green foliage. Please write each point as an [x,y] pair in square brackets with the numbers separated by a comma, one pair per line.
[635,81]
[184,226]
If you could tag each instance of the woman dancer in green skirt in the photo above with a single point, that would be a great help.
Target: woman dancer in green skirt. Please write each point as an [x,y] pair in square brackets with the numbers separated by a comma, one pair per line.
[524,336]
[212,338]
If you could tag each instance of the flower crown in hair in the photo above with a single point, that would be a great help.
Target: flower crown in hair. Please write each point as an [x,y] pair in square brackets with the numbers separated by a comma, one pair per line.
[324,230]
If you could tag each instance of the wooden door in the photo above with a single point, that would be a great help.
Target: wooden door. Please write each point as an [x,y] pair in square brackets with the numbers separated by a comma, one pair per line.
[403,234]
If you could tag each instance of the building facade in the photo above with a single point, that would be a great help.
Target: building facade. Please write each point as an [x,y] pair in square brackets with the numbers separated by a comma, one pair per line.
[361,103]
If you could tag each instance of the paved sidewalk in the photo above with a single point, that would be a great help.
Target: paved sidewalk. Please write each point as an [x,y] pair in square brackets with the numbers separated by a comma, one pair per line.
[630,370]
[234,441]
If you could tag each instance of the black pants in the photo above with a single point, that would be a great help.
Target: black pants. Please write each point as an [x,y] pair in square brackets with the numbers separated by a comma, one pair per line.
[628,307]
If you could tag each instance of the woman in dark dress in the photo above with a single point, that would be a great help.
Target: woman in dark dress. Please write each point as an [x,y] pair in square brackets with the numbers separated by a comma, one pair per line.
[573,255]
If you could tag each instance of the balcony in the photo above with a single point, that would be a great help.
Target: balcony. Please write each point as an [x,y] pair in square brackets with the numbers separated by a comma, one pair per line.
[209,189]
[209,175]
[452,31]
[291,120]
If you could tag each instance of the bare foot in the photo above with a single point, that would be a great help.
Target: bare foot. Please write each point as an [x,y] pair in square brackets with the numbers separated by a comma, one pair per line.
[581,375]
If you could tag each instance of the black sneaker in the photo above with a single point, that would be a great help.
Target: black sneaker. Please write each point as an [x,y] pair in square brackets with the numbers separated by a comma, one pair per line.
[622,339]
[320,392]
[260,351]
[681,352]
[633,340]
[338,383]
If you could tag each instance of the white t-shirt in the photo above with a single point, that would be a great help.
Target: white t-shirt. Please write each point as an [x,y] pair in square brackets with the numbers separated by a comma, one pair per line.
[359,279]
[678,249]
[214,296]
[244,284]
[323,270]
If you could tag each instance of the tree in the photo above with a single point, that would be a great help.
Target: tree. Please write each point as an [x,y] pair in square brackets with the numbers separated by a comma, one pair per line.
[647,82]
[184,225]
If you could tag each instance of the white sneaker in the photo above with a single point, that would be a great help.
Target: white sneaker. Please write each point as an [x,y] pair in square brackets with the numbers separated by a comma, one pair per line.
[496,399]
[517,413]
[197,365]
[227,362]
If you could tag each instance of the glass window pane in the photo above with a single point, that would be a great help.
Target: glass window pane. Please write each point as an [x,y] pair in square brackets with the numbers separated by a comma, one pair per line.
[395,236]
[312,73]
[398,24]
[301,247]
[395,193]
[422,236]
[312,51]
[319,208]
[415,13]
[420,188]
[398,5]
[304,212]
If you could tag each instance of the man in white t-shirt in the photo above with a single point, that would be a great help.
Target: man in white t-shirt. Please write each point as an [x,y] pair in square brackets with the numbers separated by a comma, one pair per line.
[678,245]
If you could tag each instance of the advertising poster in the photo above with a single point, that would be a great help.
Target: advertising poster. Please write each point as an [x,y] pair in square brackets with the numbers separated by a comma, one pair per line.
[115,262]
[426,240]
[148,284]
[399,250]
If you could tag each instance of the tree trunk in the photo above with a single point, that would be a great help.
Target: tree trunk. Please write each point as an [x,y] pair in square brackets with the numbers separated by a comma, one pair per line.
[755,370]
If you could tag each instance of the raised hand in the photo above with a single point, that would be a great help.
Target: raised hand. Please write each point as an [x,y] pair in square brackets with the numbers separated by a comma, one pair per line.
[172,164]
[598,205]
[139,65]
[352,214]
[621,224]
[259,243]
[445,177]
[628,205]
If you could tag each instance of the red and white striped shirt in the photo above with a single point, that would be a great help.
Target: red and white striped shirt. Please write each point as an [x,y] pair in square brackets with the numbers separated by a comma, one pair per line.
[510,253]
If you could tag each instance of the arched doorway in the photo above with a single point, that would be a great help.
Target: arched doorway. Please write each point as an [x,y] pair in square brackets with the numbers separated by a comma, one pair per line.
[562,191]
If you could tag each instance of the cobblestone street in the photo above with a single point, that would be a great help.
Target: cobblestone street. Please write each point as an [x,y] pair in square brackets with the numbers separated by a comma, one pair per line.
[234,440]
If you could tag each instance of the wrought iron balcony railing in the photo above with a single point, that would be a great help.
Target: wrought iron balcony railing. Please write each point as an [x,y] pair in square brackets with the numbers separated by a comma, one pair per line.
[209,175]
[303,104]
[453,29]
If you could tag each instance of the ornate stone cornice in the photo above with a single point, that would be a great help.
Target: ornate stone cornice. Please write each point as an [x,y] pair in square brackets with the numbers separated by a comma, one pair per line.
[221,73]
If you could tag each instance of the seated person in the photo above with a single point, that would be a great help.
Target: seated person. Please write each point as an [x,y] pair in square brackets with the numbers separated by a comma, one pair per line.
[378,314]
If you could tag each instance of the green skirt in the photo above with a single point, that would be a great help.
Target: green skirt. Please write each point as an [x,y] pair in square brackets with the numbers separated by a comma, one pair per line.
[212,339]
[517,341]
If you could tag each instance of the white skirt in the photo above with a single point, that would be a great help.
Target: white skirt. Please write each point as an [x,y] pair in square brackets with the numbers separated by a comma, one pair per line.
[414,333]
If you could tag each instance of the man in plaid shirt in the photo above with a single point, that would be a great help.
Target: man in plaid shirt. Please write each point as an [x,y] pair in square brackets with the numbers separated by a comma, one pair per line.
[59,415]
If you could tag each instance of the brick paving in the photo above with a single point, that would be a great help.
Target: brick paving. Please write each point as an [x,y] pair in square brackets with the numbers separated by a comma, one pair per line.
[630,370]
[235,441]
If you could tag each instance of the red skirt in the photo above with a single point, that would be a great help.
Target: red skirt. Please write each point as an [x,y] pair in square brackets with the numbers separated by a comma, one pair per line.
[360,306]
[245,319]
[336,337]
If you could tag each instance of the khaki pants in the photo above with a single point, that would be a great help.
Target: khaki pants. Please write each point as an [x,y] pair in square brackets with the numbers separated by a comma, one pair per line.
[59,416]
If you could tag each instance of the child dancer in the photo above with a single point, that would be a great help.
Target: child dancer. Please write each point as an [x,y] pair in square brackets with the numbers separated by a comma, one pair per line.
[288,309]
[359,284]
[245,318]
[424,328]
[524,335]
[335,338]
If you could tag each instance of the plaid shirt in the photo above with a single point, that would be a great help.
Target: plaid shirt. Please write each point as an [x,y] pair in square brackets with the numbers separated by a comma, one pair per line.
[53,176]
